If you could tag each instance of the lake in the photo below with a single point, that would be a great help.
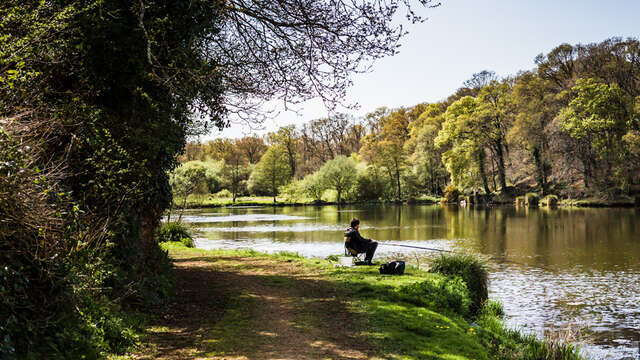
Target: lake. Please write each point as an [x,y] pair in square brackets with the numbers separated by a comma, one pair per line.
[552,269]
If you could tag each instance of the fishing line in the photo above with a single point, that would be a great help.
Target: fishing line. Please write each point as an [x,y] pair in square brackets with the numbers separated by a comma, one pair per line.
[461,253]
[420,247]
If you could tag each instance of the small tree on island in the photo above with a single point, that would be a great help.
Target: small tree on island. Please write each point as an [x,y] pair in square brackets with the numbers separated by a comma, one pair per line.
[271,172]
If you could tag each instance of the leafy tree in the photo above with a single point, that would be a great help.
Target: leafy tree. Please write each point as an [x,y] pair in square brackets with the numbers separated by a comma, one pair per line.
[235,169]
[252,147]
[373,183]
[536,105]
[271,172]
[465,158]
[493,119]
[385,145]
[313,186]
[219,148]
[480,80]
[287,139]
[601,115]
[188,179]
[426,157]
[339,174]
[559,66]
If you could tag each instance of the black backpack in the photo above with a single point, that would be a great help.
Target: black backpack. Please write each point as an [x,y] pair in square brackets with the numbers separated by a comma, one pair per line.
[392,268]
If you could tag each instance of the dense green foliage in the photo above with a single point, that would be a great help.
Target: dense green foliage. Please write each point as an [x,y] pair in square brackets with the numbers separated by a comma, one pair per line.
[98,120]
[270,173]
[472,271]
[338,174]
[52,295]
[570,127]
[175,231]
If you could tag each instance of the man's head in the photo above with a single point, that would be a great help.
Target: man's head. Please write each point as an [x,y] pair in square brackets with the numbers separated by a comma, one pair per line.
[355,223]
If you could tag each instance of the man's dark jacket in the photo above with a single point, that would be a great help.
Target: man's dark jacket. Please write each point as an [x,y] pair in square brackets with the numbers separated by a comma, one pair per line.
[356,241]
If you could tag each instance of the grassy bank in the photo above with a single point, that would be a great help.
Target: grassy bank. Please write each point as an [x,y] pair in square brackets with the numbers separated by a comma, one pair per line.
[244,304]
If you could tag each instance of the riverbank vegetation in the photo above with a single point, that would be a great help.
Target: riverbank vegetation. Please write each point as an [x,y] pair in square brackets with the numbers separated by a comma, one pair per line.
[570,127]
[306,308]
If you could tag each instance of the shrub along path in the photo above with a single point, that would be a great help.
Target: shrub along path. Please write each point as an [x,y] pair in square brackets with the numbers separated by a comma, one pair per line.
[247,307]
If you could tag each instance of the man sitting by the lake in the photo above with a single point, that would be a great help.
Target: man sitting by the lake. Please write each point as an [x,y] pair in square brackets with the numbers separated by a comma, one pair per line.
[356,244]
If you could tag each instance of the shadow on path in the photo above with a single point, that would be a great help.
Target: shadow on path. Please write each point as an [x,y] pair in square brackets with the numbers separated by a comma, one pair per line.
[253,308]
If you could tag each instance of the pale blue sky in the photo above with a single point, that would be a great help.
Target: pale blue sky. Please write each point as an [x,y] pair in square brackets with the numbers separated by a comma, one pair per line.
[466,36]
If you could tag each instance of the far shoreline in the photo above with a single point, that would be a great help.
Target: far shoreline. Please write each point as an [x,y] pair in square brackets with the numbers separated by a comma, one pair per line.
[565,203]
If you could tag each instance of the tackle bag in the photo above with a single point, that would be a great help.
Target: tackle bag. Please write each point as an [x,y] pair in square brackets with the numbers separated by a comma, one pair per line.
[392,268]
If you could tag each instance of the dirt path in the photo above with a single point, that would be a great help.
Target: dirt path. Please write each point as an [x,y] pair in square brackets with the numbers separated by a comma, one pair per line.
[253,308]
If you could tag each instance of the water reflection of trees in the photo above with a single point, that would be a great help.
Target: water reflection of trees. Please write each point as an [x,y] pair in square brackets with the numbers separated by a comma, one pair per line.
[546,237]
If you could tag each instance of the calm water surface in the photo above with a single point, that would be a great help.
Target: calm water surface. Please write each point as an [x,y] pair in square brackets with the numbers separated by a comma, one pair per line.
[552,269]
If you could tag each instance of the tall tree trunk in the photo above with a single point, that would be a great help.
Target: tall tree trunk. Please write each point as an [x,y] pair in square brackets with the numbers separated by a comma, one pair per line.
[501,170]
[292,161]
[483,173]
[274,190]
[398,178]
[172,199]
[540,170]
[234,181]
[586,173]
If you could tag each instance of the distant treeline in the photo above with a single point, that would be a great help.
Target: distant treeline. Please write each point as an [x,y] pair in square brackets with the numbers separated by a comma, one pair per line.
[569,127]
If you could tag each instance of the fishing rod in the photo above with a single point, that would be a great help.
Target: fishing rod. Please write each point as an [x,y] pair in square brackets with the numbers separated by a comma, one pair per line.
[501,259]
[419,247]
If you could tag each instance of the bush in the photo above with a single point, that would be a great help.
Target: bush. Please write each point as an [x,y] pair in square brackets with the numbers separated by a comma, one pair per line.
[472,271]
[520,201]
[441,294]
[175,231]
[372,184]
[493,308]
[531,200]
[223,194]
[451,194]
[313,187]
[291,192]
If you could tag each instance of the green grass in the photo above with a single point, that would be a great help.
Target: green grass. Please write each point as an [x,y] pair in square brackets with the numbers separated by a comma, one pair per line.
[419,315]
